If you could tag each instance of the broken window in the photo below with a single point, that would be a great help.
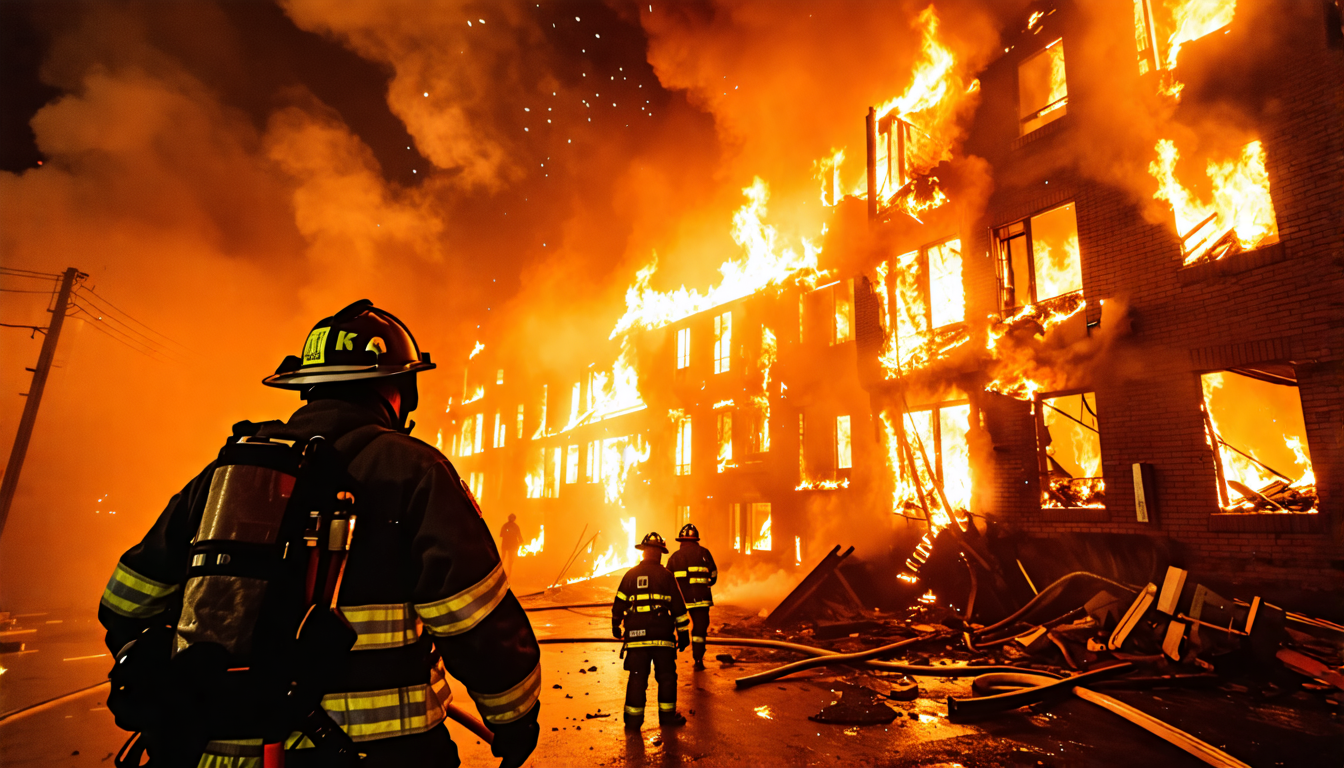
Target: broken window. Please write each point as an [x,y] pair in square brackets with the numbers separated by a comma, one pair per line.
[842,300]
[1254,416]
[554,461]
[1069,440]
[683,515]
[760,425]
[723,341]
[725,423]
[1145,37]
[683,348]
[1039,258]
[1042,91]
[930,296]
[735,513]
[590,468]
[757,527]
[572,465]
[933,449]
[480,428]
[536,474]
[843,459]
[684,446]
[499,376]
[520,421]
[498,441]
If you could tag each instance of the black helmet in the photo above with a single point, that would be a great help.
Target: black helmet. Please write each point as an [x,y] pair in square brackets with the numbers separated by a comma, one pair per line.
[359,342]
[688,533]
[653,541]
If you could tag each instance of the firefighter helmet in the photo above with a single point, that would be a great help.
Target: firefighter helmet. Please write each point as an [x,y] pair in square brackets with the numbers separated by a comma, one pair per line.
[360,342]
[653,541]
[688,533]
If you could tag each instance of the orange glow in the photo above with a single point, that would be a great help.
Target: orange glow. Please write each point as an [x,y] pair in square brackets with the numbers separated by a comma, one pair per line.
[535,546]
[1258,426]
[476,350]
[615,559]
[822,485]
[1241,214]
[1193,19]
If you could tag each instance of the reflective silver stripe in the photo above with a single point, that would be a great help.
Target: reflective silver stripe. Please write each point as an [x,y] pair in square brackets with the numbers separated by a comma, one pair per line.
[390,625]
[459,613]
[652,644]
[135,596]
[370,715]
[501,708]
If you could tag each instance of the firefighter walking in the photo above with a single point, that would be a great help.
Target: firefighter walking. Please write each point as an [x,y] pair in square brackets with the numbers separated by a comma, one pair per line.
[649,603]
[695,571]
[201,614]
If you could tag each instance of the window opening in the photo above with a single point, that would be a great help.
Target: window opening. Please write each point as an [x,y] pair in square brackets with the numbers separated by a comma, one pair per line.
[683,515]
[1069,439]
[930,298]
[684,446]
[759,527]
[536,474]
[480,428]
[683,348]
[1254,417]
[520,421]
[1039,258]
[499,376]
[723,339]
[572,464]
[843,459]
[842,299]
[1042,89]
[725,435]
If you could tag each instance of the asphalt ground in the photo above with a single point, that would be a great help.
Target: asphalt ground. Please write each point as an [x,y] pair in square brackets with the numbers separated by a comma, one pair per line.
[762,726]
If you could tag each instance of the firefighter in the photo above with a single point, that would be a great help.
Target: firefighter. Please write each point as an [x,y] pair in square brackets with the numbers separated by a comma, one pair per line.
[510,539]
[696,572]
[650,605]
[423,587]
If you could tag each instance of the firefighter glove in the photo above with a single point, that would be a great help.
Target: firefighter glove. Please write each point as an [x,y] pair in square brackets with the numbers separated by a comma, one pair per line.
[683,640]
[514,742]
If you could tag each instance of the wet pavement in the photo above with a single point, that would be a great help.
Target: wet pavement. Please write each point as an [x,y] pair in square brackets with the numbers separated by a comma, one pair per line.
[765,725]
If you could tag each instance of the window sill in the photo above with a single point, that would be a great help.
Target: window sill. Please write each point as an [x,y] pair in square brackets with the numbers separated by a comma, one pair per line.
[1049,129]
[1232,265]
[1251,522]
[1076,514]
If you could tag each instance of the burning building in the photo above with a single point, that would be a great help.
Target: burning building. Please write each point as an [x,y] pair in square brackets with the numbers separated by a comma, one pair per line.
[1051,324]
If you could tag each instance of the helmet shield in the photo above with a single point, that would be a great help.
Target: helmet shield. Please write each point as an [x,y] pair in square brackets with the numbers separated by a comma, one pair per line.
[359,342]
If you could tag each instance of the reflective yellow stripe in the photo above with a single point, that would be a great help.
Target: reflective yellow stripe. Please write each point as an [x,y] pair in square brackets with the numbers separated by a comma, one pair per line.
[621,596]
[698,569]
[683,620]
[135,596]
[679,574]
[695,639]
[371,715]
[634,711]
[459,613]
[701,604]
[667,706]
[382,626]
[501,708]
[651,596]
[699,579]
[232,753]
[652,644]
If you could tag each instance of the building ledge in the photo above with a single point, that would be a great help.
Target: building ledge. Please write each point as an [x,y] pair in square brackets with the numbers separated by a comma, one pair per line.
[1291,522]
[1076,514]
[1049,129]
[1232,265]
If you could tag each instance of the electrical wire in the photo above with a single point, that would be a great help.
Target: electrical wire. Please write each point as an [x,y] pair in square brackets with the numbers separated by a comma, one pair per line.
[123,339]
[156,345]
[15,272]
[129,316]
[19,290]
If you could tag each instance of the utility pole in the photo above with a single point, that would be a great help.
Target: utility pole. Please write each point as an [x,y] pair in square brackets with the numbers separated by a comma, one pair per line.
[44,358]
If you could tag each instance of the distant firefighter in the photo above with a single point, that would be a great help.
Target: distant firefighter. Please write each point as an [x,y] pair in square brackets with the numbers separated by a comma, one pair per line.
[510,539]
[650,605]
[696,572]
[304,598]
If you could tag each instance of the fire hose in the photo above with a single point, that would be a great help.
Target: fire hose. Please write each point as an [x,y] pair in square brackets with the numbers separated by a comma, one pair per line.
[1009,691]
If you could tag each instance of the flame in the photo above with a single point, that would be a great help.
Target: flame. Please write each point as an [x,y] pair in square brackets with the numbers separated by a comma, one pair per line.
[928,598]
[610,393]
[1245,470]
[477,395]
[821,485]
[1017,372]
[765,265]
[827,171]
[476,351]
[1241,203]
[1034,19]
[619,457]
[536,475]
[798,550]
[764,542]
[916,341]
[613,560]
[1085,488]
[954,421]
[723,404]
[1193,19]
[535,546]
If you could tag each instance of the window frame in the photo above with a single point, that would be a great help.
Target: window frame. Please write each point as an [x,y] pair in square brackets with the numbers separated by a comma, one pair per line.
[1002,246]
[684,451]
[723,342]
[683,360]
[1041,431]
[724,423]
[1061,104]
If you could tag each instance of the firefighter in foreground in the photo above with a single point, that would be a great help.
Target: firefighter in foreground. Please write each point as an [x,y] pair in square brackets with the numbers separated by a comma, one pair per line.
[696,572]
[257,624]
[650,605]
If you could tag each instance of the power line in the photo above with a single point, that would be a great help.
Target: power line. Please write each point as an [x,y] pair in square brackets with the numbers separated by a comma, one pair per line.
[27,327]
[126,340]
[128,315]
[108,316]
[14,272]
[17,290]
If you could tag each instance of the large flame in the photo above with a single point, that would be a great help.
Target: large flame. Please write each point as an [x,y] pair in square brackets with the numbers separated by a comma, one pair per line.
[765,264]
[1241,214]
[615,558]
[1244,465]
[1193,19]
